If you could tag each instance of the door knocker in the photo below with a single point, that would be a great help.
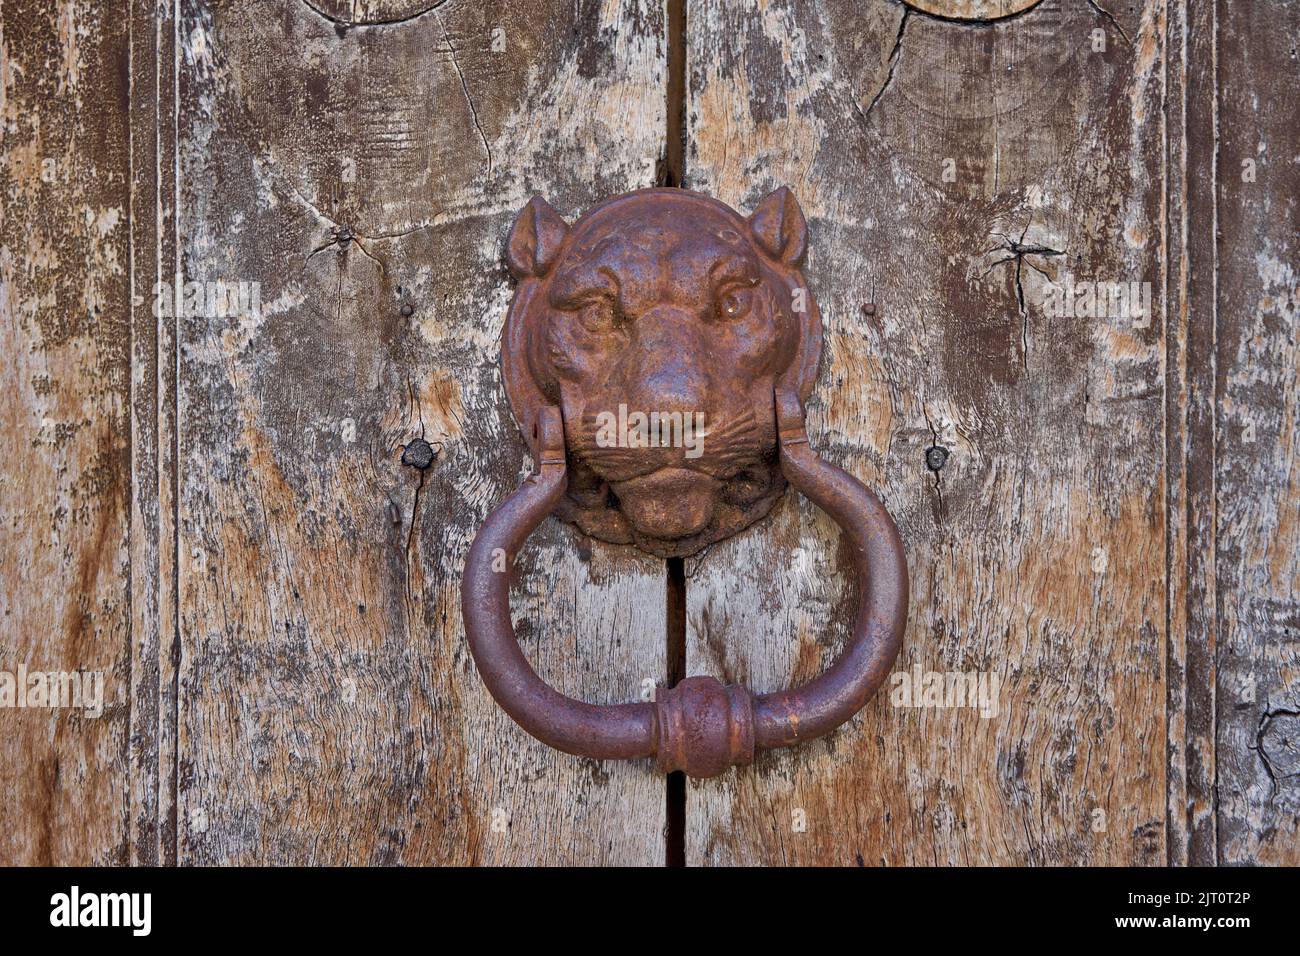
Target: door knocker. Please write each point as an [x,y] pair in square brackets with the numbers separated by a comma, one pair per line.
[657,354]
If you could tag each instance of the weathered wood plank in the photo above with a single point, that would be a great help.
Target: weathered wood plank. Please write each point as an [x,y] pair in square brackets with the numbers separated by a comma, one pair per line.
[64,488]
[365,177]
[1191,88]
[152,222]
[950,172]
[1257,475]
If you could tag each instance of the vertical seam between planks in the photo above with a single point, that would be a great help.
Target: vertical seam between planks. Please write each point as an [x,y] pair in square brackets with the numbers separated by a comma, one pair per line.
[1198,510]
[129,843]
[1213,379]
[674,171]
[674,174]
[175,437]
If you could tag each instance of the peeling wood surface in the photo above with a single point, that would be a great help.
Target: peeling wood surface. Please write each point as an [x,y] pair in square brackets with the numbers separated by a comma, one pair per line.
[1037,552]
[213,507]
[1257,469]
[64,604]
[329,710]
[216,509]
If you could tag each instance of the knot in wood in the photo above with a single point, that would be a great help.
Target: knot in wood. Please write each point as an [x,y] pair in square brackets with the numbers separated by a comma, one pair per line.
[418,454]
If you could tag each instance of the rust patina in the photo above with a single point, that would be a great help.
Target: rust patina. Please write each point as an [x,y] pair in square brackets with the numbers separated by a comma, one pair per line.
[669,315]
[657,353]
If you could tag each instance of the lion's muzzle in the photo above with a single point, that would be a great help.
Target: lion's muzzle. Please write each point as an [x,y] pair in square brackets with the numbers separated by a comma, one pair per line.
[670,503]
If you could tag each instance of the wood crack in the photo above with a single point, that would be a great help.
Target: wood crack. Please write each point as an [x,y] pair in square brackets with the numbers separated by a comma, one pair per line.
[934,442]
[1019,249]
[1111,18]
[987,22]
[352,24]
[473,112]
[894,56]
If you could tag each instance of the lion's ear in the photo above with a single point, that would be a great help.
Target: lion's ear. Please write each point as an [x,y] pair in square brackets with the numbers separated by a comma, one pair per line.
[779,226]
[535,239]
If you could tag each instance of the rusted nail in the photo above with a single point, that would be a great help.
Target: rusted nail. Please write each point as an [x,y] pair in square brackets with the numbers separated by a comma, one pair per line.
[936,456]
[418,454]
[343,236]
[408,310]
[869,309]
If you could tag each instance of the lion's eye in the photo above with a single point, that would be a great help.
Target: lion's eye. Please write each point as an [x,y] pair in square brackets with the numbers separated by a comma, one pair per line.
[735,303]
[597,316]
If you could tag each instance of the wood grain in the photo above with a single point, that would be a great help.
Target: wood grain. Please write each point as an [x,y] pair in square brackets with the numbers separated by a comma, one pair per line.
[214,508]
[949,172]
[64,504]
[1191,134]
[329,711]
[154,76]
[1257,477]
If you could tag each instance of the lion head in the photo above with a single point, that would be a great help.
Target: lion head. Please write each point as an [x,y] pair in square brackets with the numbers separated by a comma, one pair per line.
[661,323]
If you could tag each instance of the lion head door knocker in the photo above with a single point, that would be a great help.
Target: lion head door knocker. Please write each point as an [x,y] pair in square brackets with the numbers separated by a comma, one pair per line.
[656,354]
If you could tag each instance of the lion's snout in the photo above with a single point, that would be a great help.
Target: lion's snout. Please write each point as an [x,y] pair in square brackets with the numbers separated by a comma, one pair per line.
[662,369]
[670,503]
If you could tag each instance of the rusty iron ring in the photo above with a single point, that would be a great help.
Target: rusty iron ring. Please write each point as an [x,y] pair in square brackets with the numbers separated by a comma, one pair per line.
[699,726]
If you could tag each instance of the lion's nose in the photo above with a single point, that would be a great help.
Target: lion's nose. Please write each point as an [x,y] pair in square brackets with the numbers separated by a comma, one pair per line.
[666,370]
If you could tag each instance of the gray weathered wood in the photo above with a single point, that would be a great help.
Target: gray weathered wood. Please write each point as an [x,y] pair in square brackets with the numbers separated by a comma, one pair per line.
[1257,476]
[1037,552]
[328,707]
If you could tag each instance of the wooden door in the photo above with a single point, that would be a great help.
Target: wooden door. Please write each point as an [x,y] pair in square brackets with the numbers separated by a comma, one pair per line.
[252,288]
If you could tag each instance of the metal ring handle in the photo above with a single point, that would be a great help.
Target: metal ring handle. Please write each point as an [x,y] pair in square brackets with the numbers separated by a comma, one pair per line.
[700,726]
